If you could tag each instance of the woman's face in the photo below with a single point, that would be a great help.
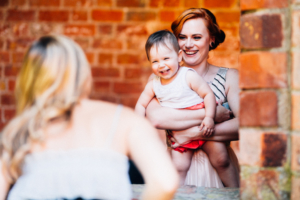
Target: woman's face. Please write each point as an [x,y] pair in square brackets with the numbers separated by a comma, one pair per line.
[194,41]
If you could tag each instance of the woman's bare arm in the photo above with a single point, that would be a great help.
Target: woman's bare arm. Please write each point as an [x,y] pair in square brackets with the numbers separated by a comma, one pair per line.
[152,159]
[174,119]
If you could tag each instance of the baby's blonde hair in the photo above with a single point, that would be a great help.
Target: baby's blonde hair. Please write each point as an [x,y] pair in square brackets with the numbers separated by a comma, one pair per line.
[51,81]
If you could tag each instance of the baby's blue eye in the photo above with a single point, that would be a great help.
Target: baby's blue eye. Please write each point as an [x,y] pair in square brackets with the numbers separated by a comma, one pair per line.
[166,58]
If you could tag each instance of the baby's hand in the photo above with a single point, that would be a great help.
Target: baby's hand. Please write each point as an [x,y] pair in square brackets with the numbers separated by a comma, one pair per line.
[208,126]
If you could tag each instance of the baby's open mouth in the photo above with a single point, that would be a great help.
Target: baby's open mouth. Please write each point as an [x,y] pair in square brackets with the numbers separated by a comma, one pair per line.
[164,71]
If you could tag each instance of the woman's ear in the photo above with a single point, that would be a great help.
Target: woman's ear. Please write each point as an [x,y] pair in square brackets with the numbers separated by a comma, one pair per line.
[179,55]
[212,40]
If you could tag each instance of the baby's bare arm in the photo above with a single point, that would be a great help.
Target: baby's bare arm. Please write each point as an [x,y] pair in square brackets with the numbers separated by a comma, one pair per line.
[144,99]
[198,84]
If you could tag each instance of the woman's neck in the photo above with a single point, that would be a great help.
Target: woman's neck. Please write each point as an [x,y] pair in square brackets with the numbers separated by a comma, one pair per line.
[201,68]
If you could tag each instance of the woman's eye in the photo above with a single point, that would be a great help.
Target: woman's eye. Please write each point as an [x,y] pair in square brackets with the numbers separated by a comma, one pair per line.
[197,38]
[181,37]
[154,62]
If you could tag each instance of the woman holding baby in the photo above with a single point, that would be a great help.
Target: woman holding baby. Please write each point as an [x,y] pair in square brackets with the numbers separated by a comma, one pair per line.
[197,33]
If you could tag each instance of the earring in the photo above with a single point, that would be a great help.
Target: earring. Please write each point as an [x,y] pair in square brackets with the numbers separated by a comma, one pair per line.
[212,43]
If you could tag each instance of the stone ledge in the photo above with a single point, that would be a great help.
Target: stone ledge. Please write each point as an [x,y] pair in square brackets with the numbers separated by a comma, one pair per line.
[193,193]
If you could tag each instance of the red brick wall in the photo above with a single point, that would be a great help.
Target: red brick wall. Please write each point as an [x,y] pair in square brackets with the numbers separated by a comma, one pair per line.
[270,100]
[111,32]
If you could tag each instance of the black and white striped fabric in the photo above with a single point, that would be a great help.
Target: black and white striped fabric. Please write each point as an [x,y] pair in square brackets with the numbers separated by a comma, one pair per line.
[218,84]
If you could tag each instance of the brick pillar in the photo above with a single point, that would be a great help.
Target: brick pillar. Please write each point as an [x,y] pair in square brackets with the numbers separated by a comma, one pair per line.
[270,99]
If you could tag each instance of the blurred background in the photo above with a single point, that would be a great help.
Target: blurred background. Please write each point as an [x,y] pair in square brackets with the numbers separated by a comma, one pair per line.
[111,32]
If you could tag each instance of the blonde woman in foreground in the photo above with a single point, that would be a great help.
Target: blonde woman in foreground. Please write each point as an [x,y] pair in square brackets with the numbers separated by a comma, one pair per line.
[62,145]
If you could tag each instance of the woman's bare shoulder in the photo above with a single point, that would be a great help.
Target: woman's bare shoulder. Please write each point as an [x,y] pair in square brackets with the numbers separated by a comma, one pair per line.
[98,108]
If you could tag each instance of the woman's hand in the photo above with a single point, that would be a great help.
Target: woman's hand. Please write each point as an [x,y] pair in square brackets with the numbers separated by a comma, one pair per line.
[222,114]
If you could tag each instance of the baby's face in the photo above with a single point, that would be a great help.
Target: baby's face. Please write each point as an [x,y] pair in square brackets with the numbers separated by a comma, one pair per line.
[164,61]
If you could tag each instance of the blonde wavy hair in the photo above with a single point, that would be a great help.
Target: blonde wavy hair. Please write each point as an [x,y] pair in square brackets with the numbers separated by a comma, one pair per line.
[52,79]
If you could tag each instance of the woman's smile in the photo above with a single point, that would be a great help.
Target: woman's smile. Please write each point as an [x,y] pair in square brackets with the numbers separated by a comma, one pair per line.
[190,52]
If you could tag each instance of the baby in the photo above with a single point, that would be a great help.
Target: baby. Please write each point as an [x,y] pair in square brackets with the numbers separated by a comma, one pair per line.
[176,87]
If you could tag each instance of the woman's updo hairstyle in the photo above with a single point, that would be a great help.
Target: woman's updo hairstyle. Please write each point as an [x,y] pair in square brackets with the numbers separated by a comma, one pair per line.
[211,24]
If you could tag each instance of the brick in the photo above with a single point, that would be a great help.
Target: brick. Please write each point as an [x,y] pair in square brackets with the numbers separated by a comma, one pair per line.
[11,85]
[171,3]
[262,184]
[11,71]
[20,43]
[256,4]
[224,58]
[4,57]
[4,3]
[105,29]
[258,108]
[132,3]
[263,70]
[7,99]
[2,85]
[107,44]
[296,111]
[9,114]
[102,3]
[20,29]
[295,158]
[167,16]
[53,3]
[17,57]
[76,3]
[296,28]
[232,41]
[20,15]
[128,59]
[105,58]
[296,70]
[295,194]
[219,3]
[79,15]
[38,29]
[83,42]
[17,2]
[134,73]
[129,101]
[54,16]
[132,30]
[107,15]
[136,43]
[192,4]
[127,88]
[83,30]
[105,72]
[274,149]
[101,86]
[250,147]
[261,31]
[5,30]
[155,3]
[90,57]
[228,17]
[140,16]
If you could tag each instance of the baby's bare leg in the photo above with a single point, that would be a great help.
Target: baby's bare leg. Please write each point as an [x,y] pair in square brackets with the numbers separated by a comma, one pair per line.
[182,162]
[219,159]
